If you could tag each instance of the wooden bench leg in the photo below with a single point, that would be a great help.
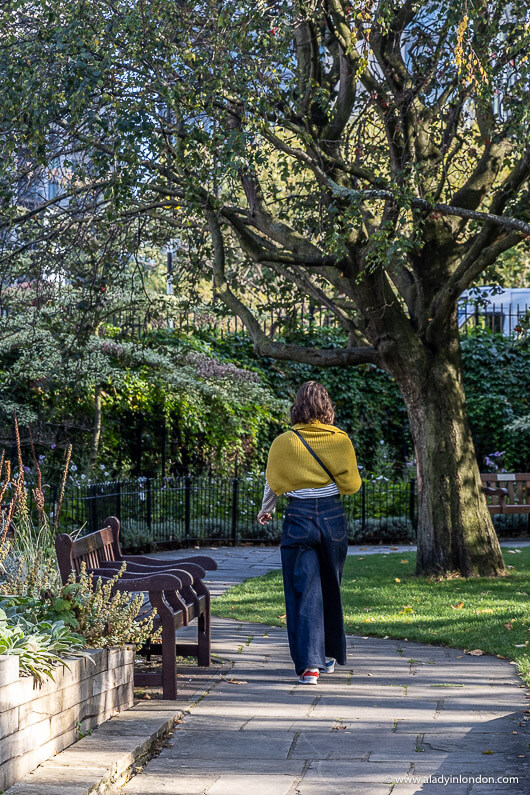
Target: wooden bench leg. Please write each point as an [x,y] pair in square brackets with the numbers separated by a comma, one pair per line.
[169,652]
[203,636]
[169,664]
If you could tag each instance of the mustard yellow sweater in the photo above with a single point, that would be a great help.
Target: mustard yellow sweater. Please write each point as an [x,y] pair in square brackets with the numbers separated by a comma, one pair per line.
[291,466]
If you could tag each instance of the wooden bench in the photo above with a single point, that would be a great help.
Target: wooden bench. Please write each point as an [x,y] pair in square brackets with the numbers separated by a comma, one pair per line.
[507,493]
[174,587]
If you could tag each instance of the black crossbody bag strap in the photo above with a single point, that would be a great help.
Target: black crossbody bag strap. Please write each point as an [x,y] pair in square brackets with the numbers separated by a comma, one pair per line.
[317,459]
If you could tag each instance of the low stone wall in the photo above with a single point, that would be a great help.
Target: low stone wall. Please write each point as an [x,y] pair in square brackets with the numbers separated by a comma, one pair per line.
[36,722]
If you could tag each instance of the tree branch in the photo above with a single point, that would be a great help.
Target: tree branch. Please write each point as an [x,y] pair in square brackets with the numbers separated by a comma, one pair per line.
[505,221]
[263,345]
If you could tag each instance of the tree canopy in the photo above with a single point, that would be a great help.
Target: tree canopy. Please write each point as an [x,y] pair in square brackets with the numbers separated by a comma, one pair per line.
[371,155]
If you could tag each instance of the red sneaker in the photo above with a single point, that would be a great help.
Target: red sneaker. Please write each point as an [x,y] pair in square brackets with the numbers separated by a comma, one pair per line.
[309,677]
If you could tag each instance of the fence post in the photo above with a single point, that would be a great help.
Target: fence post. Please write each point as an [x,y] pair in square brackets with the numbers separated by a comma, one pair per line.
[93,509]
[187,507]
[235,494]
[118,500]
[148,484]
[363,507]
[412,503]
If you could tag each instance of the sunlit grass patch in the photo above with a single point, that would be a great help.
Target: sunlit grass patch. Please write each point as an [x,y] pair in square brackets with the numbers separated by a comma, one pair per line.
[382,596]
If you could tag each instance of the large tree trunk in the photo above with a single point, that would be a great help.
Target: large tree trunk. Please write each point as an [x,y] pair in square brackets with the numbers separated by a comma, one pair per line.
[455,531]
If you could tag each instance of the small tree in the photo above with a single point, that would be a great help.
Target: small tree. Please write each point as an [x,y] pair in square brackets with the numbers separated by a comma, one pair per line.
[371,155]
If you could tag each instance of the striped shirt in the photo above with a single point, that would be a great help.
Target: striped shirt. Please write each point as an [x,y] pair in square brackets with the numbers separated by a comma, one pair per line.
[270,499]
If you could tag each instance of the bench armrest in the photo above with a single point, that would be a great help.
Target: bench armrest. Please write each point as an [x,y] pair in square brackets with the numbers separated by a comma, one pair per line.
[205,561]
[495,492]
[153,582]
[135,570]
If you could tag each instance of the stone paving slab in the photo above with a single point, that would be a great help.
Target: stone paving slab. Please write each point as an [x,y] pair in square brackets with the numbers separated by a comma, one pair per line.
[352,733]
[365,729]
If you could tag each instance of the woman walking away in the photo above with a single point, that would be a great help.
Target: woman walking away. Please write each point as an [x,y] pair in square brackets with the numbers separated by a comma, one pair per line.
[312,464]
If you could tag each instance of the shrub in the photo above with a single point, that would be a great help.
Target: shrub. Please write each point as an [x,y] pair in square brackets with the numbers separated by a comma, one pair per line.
[104,617]
[513,524]
[39,646]
[388,528]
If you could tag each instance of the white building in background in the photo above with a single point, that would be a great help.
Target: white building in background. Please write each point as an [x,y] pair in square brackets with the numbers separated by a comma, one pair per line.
[495,309]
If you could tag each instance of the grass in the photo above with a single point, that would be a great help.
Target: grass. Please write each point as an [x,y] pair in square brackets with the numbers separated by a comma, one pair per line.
[383,597]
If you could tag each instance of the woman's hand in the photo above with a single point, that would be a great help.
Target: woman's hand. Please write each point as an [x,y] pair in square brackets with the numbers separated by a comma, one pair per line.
[264,517]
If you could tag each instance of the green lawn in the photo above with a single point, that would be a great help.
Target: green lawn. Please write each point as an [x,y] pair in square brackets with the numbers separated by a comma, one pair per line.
[414,608]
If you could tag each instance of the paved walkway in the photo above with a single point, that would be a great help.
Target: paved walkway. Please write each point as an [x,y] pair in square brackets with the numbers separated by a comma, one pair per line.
[398,710]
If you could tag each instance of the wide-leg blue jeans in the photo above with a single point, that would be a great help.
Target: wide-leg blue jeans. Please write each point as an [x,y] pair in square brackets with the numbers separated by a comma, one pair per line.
[313,549]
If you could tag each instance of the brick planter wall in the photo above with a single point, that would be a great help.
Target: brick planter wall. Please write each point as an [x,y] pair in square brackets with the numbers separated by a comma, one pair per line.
[36,722]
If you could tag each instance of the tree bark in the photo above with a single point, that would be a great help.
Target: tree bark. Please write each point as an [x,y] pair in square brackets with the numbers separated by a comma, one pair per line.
[455,530]
[96,432]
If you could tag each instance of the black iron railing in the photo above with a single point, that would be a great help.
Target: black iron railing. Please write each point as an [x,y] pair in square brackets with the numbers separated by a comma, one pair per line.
[186,510]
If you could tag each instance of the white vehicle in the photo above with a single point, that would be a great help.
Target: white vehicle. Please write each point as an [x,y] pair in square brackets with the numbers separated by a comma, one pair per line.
[498,310]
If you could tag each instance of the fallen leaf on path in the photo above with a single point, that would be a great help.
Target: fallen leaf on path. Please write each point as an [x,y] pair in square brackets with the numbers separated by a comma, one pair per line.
[475,652]
[235,681]
[488,752]
[393,547]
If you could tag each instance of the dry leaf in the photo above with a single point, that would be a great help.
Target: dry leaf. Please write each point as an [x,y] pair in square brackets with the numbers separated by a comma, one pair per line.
[509,625]
[360,558]
[284,616]
[403,561]
[484,610]
[393,547]
[475,652]
[396,579]
[235,681]
[362,548]
[458,606]
[488,752]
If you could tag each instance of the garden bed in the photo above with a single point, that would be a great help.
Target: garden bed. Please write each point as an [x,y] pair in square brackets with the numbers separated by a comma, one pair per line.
[38,721]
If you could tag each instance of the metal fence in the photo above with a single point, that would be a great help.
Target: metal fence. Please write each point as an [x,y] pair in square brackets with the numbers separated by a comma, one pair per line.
[499,318]
[186,510]
[504,317]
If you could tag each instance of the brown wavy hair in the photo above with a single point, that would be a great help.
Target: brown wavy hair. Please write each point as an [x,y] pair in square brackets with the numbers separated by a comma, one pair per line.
[311,403]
